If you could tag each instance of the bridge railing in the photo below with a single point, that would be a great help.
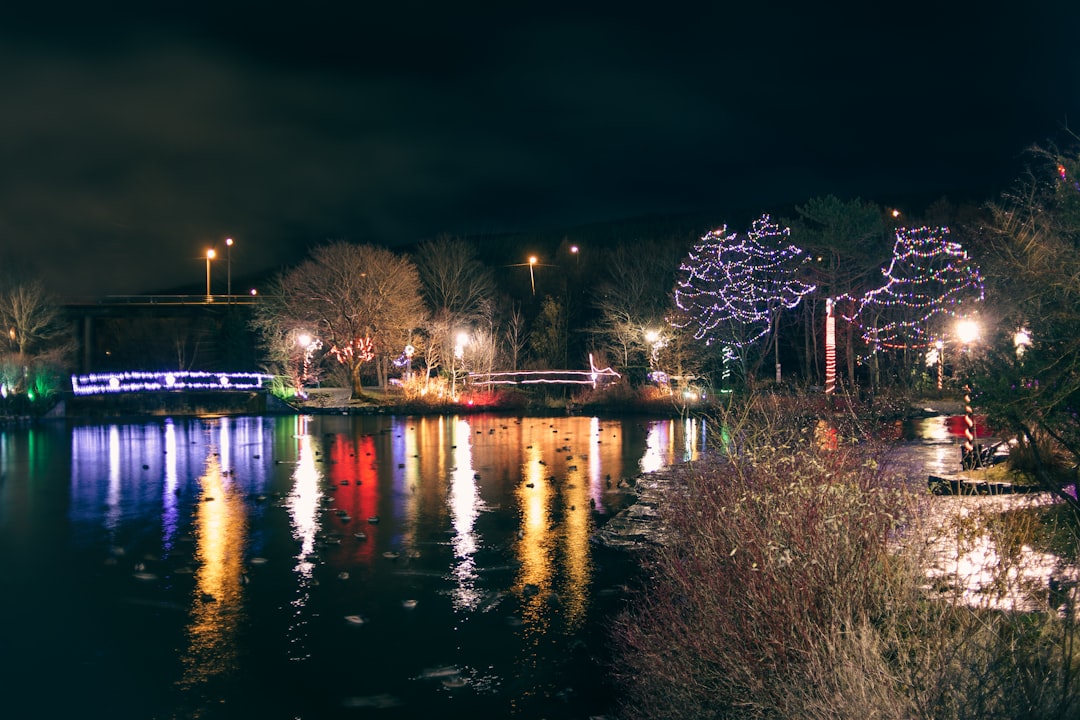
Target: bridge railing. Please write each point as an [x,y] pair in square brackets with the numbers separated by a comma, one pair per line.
[593,376]
[126,382]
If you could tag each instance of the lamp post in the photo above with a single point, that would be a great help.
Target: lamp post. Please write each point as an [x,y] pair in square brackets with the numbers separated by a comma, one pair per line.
[210,255]
[574,250]
[532,276]
[967,332]
[940,345]
[652,337]
[228,267]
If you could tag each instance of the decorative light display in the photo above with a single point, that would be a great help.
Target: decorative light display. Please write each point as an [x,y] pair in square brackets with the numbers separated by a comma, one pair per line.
[362,349]
[830,348]
[1064,175]
[928,276]
[728,280]
[546,377]
[124,382]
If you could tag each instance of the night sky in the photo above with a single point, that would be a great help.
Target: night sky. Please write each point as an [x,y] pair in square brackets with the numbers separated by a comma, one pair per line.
[134,137]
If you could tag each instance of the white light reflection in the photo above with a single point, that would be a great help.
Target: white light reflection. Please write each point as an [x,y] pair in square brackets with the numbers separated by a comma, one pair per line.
[112,515]
[972,563]
[225,443]
[662,446]
[464,508]
[170,510]
[689,436]
[655,444]
[303,503]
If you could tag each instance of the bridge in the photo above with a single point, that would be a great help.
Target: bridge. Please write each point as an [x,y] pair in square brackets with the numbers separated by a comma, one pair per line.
[593,376]
[126,382]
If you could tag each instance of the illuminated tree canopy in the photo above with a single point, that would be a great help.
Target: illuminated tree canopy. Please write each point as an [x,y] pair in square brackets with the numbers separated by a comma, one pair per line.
[361,301]
[732,287]
[928,276]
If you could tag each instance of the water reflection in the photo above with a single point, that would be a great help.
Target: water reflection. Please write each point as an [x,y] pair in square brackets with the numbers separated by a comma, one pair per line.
[660,443]
[464,507]
[533,551]
[462,514]
[303,503]
[220,529]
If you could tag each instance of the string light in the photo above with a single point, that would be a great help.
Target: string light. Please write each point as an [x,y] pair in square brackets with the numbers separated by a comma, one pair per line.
[123,382]
[363,349]
[728,280]
[927,276]
[546,377]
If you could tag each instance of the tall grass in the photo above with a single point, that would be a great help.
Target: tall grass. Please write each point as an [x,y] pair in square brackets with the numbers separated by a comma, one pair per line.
[794,586]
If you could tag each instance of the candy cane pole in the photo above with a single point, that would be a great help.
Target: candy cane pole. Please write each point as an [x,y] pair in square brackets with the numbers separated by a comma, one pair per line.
[969,458]
[830,348]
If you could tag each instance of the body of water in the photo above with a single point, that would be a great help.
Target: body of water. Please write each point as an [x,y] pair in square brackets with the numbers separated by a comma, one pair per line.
[315,567]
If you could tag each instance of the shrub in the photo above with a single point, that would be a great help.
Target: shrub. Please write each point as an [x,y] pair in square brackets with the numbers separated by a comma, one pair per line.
[793,585]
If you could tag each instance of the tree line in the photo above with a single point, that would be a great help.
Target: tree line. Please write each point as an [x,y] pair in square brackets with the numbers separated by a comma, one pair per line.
[612,293]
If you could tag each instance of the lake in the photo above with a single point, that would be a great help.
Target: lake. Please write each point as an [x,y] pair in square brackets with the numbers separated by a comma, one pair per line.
[316,566]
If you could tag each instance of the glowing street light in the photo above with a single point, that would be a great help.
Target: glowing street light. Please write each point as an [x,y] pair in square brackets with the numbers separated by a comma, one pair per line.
[228,267]
[967,331]
[1021,341]
[655,341]
[308,345]
[574,250]
[532,276]
[210,255]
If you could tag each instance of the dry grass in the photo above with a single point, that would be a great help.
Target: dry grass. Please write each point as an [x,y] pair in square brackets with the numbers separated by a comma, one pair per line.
[795,586]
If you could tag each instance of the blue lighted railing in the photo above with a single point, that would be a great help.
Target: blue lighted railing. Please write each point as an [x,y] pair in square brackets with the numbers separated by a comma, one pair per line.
[125,382]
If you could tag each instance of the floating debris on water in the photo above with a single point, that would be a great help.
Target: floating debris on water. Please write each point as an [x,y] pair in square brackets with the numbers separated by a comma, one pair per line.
[380,701]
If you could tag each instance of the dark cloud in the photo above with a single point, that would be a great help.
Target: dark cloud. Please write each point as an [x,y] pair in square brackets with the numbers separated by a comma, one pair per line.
[131,139]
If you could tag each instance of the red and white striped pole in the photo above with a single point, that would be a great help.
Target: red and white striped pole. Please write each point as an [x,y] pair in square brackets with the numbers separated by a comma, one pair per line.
[968,459]
[830,348]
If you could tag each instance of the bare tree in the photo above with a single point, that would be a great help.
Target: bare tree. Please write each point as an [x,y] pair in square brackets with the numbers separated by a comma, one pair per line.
[30,317]
[361,301]
[515,335]
[633,297]
[452,277]
[458,290]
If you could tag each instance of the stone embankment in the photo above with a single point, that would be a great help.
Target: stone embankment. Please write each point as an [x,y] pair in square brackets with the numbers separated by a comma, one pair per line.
[640,524]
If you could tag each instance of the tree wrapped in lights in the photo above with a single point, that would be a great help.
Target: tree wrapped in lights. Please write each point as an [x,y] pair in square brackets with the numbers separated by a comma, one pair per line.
[928,276]
[732,288]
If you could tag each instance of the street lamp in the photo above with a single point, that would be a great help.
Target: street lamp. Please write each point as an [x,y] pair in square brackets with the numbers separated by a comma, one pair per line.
[532,276]
[228,267]
[652,337]
[210,255]
[1021,341]
[574,249]
[967,331]
[459,353]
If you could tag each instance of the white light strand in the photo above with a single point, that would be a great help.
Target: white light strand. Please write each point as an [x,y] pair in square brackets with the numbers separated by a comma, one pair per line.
[727,280]
[927,276]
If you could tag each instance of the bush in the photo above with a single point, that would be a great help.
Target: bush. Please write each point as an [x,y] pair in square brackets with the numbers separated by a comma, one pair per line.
[794,586]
